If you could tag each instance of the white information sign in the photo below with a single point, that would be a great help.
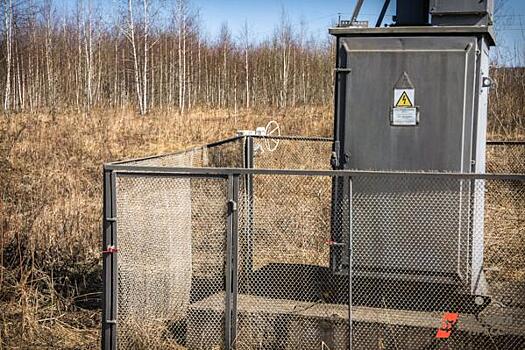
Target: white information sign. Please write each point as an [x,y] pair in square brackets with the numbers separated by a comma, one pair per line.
[404,116]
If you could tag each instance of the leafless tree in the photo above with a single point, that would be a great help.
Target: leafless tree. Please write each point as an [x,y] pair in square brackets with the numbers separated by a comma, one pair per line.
[58,60]
[246,41]
[8,29]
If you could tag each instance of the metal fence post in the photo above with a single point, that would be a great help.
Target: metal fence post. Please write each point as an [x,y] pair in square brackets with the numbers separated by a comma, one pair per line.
[248,230]
[109,272]
[230,330]
[350,261]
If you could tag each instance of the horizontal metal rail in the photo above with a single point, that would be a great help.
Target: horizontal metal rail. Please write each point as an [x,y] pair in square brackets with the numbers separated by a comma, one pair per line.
[295,138]
[174,174]
[146,170]
[506,143]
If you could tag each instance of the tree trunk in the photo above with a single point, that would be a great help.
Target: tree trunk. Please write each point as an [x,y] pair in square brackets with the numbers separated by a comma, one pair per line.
[8,22]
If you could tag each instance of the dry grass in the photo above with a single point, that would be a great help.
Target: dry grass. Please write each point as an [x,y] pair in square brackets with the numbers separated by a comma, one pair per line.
[507,104]
[50,207]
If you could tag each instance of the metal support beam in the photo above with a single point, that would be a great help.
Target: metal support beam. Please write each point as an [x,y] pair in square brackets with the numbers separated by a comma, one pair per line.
[350,267]
[235,265]
[248,187]
[225,172]
[109,270]
[230,317]
[357,9]
[382,14]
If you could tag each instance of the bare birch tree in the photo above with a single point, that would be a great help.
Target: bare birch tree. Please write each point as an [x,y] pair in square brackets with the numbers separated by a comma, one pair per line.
[180,16]
[8,28]
[246,40]
[53,60]
[129,31]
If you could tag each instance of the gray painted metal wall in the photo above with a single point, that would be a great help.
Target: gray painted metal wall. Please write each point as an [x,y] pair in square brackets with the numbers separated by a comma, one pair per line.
[443,72]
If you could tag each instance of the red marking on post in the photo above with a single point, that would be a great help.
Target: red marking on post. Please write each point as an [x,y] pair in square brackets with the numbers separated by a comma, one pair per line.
[448,323]
[110,250]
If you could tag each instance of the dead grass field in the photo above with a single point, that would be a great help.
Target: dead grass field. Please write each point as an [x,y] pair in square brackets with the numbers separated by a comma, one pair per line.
[50,207]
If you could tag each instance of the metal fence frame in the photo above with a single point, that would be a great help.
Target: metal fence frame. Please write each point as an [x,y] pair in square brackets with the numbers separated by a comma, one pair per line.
[232,176]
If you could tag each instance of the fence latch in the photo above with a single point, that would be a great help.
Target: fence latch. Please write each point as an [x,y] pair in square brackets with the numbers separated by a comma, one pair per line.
[334,243]
[111,249]
[232,206]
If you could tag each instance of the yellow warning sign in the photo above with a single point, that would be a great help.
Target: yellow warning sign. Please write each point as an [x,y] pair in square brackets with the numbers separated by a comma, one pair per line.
[404,101]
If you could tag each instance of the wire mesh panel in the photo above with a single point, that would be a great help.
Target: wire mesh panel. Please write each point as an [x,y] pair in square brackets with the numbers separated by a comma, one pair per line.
[435,261]
[303,153]
[172,239]
[431,263]
[288,297]
[292,153]
[504,264]
[411,225]
[506,157]
[193,157]
[226,154]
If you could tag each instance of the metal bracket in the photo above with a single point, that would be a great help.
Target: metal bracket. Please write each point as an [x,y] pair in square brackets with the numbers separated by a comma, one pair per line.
[336,244]
[346,158]
[232,205]
[334,159]
[111,321]
[111,219]
[343,70]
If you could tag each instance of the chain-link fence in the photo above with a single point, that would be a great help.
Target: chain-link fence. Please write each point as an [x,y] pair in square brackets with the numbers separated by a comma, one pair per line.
[231,255]
[290,152]
[506,156]
[172,241]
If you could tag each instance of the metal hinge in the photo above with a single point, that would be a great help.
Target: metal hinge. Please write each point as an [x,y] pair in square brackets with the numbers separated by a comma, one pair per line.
[111,219]
[232,206]
[343,70]
[334,160]
[111,321]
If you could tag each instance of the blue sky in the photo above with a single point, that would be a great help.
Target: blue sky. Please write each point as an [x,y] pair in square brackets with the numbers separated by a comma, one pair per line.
[263,15]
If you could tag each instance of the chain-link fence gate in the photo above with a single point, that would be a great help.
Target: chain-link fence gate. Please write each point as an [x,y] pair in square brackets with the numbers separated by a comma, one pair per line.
[233,245]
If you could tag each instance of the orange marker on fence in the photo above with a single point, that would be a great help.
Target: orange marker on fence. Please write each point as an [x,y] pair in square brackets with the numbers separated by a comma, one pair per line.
[448,323]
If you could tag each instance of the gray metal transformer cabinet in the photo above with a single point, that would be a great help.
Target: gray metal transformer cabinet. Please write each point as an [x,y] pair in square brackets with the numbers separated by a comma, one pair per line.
[413,98]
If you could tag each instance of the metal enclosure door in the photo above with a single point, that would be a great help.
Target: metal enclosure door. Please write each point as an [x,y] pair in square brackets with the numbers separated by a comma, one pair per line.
[442,71]
[432,240]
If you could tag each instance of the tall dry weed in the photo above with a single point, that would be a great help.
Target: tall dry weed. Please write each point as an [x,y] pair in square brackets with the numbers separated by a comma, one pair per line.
[51,195]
